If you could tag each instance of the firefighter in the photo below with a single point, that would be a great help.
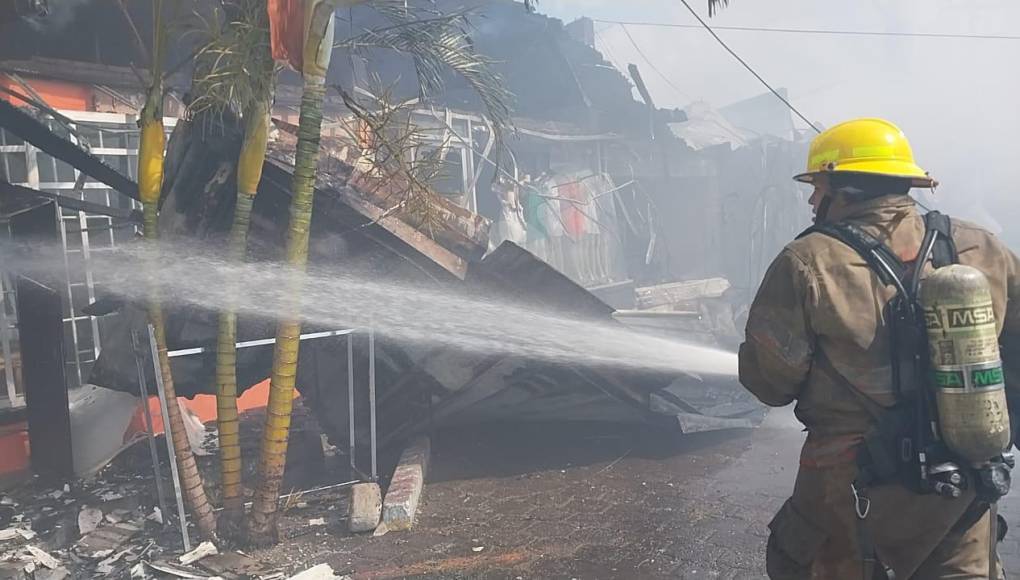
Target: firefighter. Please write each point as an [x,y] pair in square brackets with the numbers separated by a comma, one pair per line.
[818,335]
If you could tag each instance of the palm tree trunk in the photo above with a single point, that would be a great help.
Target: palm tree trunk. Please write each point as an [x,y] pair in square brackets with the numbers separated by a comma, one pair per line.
[249,173]
[150,181]
[318,46]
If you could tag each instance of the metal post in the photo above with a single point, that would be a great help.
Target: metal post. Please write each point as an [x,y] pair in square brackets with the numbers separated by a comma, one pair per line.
[350,401]
[161,390]
[143,389]
[5,340]
[371,398]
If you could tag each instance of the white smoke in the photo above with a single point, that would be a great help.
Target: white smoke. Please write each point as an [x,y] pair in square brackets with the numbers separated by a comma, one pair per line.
[954,97]
[54,15]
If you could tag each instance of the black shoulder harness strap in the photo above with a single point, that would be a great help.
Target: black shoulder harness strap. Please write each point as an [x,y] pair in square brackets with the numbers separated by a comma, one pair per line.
[938,240]
[889,268]
[944,251]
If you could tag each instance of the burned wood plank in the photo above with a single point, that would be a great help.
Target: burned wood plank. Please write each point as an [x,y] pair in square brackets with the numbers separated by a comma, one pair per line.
[636,398]
[409,235]
[102,541]
[679,292]
[413,377]
[516,273]
[231,565]
[37,133]
[467,394]
[456,229]
[373,215]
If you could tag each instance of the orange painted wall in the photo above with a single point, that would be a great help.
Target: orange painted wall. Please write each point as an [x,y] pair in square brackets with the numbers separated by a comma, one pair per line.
[204,406]
[57,94]
[14,450]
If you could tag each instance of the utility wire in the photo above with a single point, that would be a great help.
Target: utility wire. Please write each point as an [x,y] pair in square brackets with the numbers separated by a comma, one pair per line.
[747,66]
[652,65]
[817,31]
[608,50]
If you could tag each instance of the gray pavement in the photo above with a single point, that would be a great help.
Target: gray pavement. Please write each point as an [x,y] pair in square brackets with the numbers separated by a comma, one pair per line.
[591,503]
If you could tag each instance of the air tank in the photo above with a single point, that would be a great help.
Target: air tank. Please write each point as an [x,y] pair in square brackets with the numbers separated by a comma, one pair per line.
[963,340]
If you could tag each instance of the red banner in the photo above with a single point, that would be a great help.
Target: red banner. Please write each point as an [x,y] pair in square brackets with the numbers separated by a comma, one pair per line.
[287,31]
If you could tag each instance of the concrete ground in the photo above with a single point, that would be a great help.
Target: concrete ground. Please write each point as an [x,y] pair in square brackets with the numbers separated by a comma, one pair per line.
[508,502]
[502,502]
[519,502]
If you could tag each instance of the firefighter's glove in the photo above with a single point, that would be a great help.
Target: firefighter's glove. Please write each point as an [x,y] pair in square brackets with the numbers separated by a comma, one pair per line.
[993,480]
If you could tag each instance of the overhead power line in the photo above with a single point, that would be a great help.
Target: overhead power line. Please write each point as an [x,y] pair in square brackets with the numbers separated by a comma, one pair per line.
[652,65]
[817,31]
[747,66]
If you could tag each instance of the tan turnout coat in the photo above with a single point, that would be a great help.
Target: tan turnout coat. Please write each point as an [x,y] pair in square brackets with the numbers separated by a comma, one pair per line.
[819,296]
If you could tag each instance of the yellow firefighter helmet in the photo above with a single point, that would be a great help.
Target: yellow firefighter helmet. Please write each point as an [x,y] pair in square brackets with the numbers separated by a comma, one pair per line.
[870,146]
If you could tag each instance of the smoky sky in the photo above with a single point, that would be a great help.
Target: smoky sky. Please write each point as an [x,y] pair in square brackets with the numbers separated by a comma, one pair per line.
[956,99]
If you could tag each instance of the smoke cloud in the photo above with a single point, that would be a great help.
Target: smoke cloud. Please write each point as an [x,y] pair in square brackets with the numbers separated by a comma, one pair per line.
[954,98]
[58,16]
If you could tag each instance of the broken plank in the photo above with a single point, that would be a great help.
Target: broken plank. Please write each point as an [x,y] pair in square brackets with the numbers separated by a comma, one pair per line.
[678,292]
[465,395]
[231,565]
[104,541]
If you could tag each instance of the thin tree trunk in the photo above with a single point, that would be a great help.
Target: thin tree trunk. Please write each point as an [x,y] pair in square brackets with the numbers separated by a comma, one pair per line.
[249,173]
[150,181]
[318,46]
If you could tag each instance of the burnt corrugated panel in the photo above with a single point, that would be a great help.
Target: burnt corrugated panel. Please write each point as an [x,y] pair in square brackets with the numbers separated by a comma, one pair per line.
[512,271]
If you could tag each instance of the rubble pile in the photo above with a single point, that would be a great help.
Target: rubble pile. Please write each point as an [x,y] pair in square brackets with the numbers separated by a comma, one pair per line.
[111,526]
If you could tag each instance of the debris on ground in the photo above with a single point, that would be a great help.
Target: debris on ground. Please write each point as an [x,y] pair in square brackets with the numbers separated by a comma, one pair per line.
[232,565]
[156,515]
[88,520]
[203,550]
[42,557]
[108,565]
[103,541]
[320,572]
[112,526]
[12,533]
[168,569]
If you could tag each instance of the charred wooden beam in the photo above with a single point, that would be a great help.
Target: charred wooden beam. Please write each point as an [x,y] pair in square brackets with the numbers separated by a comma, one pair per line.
[677,293]
[37,133]
[466,394]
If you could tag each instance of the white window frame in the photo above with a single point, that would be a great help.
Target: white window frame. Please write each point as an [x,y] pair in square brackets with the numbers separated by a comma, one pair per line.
[76,357]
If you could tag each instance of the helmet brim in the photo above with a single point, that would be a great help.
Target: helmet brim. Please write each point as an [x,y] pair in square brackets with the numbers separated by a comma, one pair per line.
[924,180]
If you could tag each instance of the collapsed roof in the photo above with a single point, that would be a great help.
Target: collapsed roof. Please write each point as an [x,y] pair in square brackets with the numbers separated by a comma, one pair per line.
[418,387]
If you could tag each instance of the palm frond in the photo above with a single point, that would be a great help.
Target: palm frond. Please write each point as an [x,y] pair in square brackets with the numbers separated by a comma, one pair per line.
[402,171]
[233,66]
[438,42]
[714,5]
